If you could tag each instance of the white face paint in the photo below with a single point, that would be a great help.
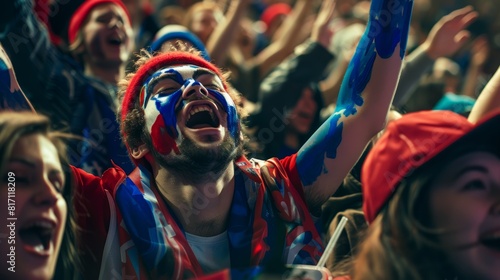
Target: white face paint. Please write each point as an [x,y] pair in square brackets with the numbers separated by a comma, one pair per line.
[187,100]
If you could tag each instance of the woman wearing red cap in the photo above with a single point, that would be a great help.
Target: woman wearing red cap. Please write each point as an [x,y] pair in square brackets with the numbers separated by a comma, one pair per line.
[431,191]
[79,97]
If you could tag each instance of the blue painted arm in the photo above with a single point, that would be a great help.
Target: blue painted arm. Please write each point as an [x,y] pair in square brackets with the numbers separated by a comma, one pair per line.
[364,99]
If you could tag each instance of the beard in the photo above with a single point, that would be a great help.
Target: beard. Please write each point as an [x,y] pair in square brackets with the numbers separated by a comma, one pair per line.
[194,161]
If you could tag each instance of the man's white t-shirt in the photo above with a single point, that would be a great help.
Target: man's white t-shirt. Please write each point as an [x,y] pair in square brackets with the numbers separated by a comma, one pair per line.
[212,252]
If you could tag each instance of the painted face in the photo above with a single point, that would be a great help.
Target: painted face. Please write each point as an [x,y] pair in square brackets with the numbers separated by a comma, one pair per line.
[40,209]
[187,101]
[465,202]
[107,35]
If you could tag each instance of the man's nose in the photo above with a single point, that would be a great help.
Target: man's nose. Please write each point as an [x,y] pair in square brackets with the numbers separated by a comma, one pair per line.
[194,89]
[116,22]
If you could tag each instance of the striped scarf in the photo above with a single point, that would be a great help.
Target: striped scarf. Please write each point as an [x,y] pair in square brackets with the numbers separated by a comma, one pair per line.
[269,223]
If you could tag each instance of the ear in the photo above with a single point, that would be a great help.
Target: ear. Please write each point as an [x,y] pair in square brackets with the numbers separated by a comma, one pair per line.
[139,152]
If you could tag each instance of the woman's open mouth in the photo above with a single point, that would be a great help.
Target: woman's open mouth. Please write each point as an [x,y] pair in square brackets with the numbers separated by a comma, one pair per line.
[491,240]
[37,237]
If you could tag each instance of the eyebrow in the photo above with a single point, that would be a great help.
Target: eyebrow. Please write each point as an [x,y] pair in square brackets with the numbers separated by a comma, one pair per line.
[107,14]
[53,171]
[166,76]
[203,71]
[470,168]
[173,76]
[22,161]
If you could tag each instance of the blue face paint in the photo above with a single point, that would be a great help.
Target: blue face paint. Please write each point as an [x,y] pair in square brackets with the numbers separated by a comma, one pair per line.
[388,25]
[165,103]
[230,108]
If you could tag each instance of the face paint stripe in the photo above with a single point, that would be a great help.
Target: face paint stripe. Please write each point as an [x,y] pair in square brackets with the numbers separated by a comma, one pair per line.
[157,77]
[230,108]
[166,108]
[157,132]
[142,97]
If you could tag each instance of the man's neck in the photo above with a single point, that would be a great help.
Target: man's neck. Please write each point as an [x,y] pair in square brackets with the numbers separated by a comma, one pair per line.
[110,74]
[202,207]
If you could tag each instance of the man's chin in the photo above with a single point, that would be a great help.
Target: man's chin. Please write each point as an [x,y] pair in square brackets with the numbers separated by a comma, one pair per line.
[199,159]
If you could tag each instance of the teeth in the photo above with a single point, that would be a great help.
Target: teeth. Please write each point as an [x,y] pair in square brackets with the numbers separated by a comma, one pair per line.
[200,109]
[39,248]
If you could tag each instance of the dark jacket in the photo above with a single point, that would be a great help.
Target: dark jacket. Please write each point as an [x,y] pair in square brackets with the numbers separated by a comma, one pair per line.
[281,90]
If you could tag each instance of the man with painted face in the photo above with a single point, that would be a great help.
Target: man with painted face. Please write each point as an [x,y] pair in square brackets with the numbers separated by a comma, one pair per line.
[195,204]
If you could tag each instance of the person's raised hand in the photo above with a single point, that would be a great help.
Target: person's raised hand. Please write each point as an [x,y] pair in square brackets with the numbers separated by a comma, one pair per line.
[480,51]
[321,31]
[449,34]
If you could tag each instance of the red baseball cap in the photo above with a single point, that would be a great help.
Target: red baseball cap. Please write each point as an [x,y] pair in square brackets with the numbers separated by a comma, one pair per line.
[83,11]
[273,11]
[413,140]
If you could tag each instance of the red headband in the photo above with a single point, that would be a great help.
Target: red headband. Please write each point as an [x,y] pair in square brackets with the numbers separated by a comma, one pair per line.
[273,11]
[83,11]
[157,63]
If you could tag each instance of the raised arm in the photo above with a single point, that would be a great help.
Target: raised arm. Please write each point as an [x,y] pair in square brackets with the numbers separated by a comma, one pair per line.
[286,38]
[488,100]
[364,100]
[298,71]
[221,39]
[480,51]
[446,37]
[27,43]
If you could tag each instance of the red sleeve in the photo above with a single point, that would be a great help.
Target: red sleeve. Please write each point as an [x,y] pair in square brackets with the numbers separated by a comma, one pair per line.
[92,218]
[289,164]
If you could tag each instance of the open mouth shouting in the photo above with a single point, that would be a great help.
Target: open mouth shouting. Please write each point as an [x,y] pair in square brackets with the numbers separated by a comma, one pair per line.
[201,117]
[203,120]
[37,237]
[115,39]
[491,240]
